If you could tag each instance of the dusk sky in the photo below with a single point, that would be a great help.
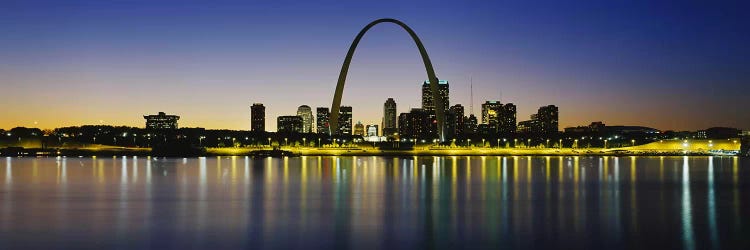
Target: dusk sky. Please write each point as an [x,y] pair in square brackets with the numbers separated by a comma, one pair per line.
[669,65]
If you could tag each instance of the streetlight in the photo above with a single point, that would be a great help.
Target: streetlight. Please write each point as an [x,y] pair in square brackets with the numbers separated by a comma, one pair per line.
[633,142]
[575,143]
[482,142]
[560,143]
[498,142]
[547,143]
[319,142]
[468,142]
[515,143]
[528,143]
[269,141]
[304,142]
[286,142]
[605,143]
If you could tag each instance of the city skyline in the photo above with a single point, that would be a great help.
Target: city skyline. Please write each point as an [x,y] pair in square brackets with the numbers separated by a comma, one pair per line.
[210,68]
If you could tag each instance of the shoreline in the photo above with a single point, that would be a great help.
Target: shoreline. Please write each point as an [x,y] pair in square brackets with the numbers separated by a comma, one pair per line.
[291,151]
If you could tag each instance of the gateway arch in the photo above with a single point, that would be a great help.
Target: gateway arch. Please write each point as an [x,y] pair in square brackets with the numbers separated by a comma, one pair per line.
[439,109]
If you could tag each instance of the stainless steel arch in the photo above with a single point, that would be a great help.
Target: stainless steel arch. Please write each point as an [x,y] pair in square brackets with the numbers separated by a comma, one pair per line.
[439,109]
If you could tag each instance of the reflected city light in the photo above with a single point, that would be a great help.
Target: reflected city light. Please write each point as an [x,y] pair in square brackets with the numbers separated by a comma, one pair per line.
[372,198]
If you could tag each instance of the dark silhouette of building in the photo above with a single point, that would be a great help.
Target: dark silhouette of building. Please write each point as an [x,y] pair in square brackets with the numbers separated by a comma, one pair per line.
[161,121]
[258,117]
[289,124]
[547,118]
[458,124]
[506,116]
[323,127]
[417,124]
[345,120]
[443,92]
[389,118]
[470,125]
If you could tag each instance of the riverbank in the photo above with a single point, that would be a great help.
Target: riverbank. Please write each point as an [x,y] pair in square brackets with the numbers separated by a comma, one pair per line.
[359,151]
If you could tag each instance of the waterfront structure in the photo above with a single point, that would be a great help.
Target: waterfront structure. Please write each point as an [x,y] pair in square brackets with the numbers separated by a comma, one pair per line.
[161,121]
[345,120]
[389,117]
[433,80]
[322,116]
[289,124]
[359,129]
[257,117]
[305,112]
[427,97]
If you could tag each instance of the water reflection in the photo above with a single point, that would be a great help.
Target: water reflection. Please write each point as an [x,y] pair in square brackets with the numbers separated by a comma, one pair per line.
[374,202]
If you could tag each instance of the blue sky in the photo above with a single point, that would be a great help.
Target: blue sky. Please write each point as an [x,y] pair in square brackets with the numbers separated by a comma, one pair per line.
[670,65]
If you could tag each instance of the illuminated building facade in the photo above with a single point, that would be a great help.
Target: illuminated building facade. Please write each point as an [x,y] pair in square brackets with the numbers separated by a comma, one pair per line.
[359,129]
[161,121]
[289,124]
[443,91]
[305,112]
[322,116]
[345,120]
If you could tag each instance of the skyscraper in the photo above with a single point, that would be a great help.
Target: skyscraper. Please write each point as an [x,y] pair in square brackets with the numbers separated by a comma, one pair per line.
[389,117]
[427,103]
[258,117]
[345,120]
[458,121]
[323,115]
[507,119]
[548,119]
[489,111]
[305,112]
[470,123]
[289,124]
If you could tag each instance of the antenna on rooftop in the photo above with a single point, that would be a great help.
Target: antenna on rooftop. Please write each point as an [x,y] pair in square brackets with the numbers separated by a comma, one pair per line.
[471,91]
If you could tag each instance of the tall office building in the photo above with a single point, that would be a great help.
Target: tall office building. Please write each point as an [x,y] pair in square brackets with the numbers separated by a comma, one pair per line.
[458,119]
[489,111]
[345,120]
[323,116]
[305,112]
[359,129]
[547,117]
[470,125]
[427,103]
[389,117]
[506,116]
[258,117]
[161,121]
[416,124]
[289,124]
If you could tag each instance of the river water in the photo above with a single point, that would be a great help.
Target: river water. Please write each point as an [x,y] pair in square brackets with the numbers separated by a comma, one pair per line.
[375,203]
